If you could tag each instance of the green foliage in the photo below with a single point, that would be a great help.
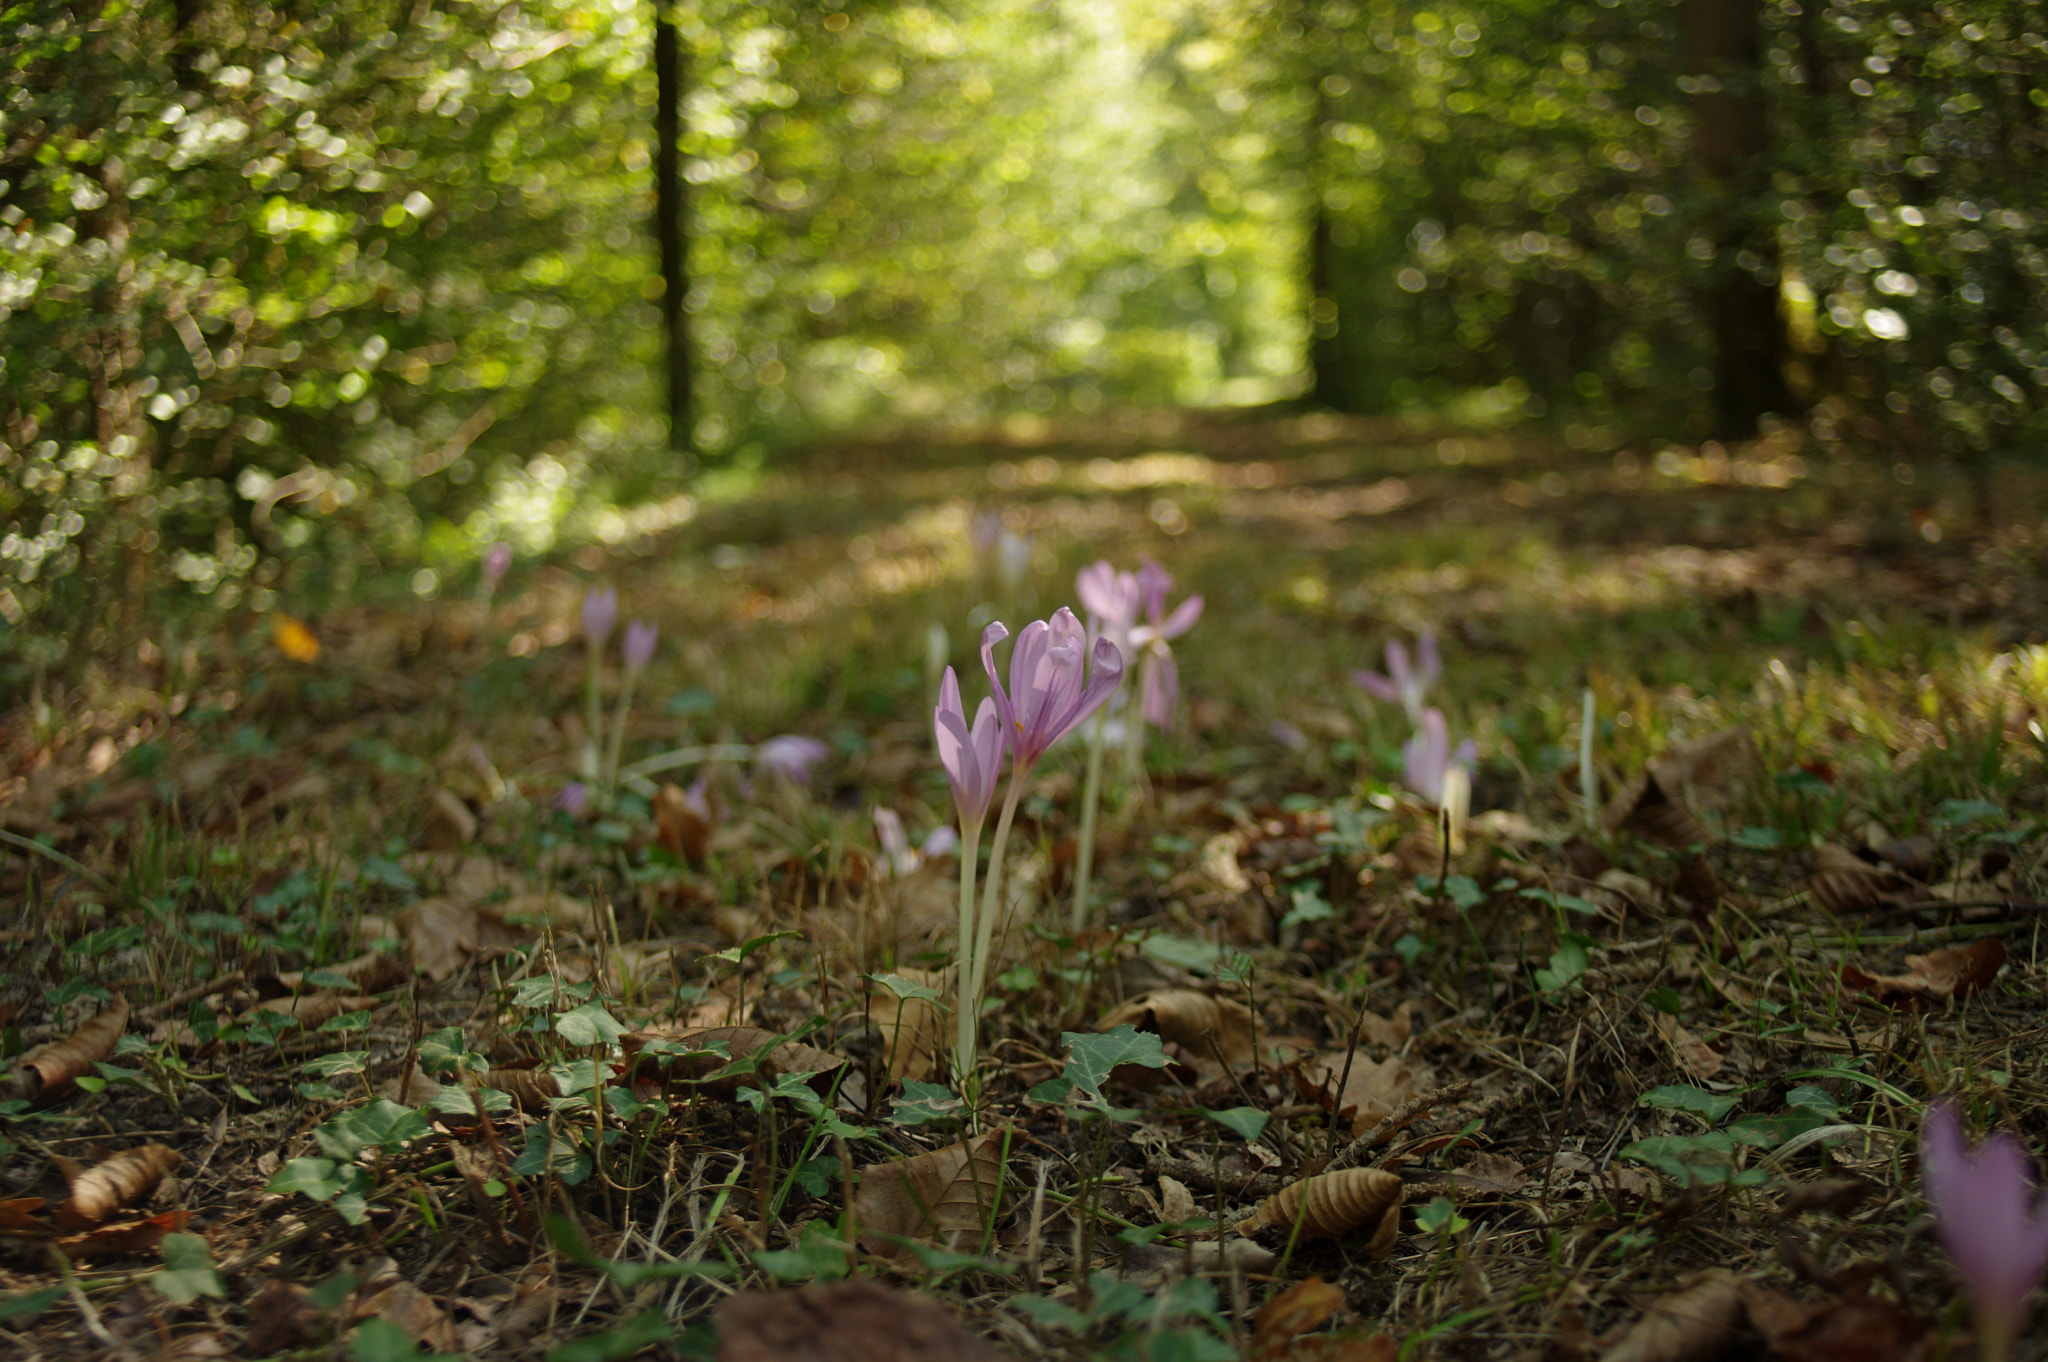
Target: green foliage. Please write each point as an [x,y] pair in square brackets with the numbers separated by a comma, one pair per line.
[188,1271]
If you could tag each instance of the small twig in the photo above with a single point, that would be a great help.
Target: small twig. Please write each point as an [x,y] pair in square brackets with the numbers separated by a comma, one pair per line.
[1355,1153]
[200,990]
[93,1323]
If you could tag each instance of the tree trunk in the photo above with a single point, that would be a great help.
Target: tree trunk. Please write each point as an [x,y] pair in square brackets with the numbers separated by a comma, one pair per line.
[1724,52]
[670,224]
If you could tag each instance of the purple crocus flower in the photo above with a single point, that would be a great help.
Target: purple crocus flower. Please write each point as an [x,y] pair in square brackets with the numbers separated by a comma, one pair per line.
[972,756]
[497,559]
[1110,597]
[1159,679]
[1994,1228]
[1403,684]
[600,613]
[940,841]
[1053,685]
[791,756]
[640,639]
[896,852]
[573,799]
[1427,758]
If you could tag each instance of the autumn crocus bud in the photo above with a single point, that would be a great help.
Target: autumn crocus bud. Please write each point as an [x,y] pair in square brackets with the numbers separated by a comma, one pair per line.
[496,561]
[600,613]
[640,639]
[1991,1222]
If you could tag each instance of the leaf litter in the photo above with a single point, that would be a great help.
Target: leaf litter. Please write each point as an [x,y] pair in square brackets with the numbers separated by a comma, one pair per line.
[419,1018]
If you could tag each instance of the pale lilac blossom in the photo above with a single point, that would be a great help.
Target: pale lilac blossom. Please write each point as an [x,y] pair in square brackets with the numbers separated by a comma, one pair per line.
[790,756]
[972,756]
[497,559]
[940,841]
[1054,682]
[640,640]
[1428,761]
[1991,1221]
[1404,683]
[573,798]
[1111,599]
[600,613]
[1159,676]
[896,851]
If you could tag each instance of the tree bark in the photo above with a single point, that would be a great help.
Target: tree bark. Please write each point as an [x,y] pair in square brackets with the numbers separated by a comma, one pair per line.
[1724,52]
[671,224]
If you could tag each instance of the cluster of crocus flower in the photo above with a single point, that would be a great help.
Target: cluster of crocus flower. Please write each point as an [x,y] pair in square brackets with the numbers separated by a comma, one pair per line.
[600,617]
[1991,1221]
[1430,766]
[1128,609]
[1056,681]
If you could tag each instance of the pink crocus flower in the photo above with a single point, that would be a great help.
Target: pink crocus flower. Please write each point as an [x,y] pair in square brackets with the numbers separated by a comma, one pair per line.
[791,756]
[972,756]
[640,640]
[1159,677]
[1053,687]
[497,559]
[1428,761]
[1404,684]
[573,798]
[1111,599]
[600,613]
[1991,1222]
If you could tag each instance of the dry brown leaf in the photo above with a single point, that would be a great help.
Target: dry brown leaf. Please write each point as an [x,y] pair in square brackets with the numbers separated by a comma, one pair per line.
[1947,972]
[1389,1032]
[1487,1174]
[851,1321]
[1645,808]
[684,821]
[115,1182]
[450,824]
[740,1042]
[1831,1196]
[1714,762]
[314,1010]
[413,1311]
[1688,1325]
[1219,863]
[945,1197]
[1176,1202]
[18,1216]
[463,876]
[1843,882]
[1371,1091]
[1852,1328]
[1200,1025]
[1692,1055]
[48,1070]
[1331,1206]
[1304,1306]
[370,972]
[912,1029]
[441,935]
[532,1090]
[123,1238]
[281,1319]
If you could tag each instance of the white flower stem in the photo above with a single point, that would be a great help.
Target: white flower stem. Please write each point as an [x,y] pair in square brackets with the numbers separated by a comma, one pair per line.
[991,904]
[593,714]
[963,952]
[609,772]
[1091,801]
[1589,779]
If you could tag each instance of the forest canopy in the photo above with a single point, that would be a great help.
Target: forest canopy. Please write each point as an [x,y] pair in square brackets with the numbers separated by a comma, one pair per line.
[292,292]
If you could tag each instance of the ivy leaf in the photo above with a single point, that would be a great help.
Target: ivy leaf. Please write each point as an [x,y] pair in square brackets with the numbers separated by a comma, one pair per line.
[188,1272]
[1247,1122]
[1094,1054]
[589,1024]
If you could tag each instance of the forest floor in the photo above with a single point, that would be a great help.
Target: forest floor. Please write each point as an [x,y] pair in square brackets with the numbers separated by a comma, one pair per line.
[344,1038]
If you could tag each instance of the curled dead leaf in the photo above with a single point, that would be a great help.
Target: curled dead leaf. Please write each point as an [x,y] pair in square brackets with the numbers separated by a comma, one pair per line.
[681,1056]
[123,1237]
[1372,1089]
[314,1010]
[450,824]
[1202,1026]
[115,1182]
[1693,1056]
[946,1197]
[1333,1205]
[1947,972]
[531,1090]
[1304,1306]
[48,1070]
[684,821]
[1688,1325]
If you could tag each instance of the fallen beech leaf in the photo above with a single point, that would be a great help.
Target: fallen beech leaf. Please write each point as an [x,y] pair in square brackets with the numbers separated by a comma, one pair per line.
[912,1029]
[1848,1329]
[128,1236]
[48,1070]
[281,1318]
[1331,1206]
[1176,1202]
[1371,1091]
[740,1042]
[1693,1055]
[1832,1196]
[1645,807]
[114,1182]
[945,1197]
[1200,1025]
[450,824]
[1304,1306]
[1689,1325]
[314,1010]
[1843,882]
[851,1321]
[18,1216]
[684,821]
[414,1312]
[1948,972]
[531,1090]
[1490,1175]
[370,972]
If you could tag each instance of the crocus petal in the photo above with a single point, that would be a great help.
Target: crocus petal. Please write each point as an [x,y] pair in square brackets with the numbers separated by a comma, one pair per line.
[1181,620]
[1160,688]
[971,756]
[791,756]
[940,841]
[1109,596]
[1379,686]
[496,561]
[573,798]
[1985,1209]
[990,637]
[600,613]
[1425,757]
[1428,665]
[641,637]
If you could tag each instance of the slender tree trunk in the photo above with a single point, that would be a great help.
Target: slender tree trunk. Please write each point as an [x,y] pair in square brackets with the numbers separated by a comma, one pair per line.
[1724,51]
[1332,384]
[671,223]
